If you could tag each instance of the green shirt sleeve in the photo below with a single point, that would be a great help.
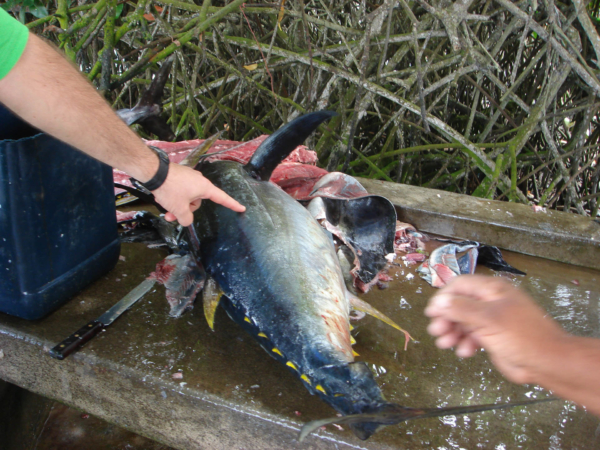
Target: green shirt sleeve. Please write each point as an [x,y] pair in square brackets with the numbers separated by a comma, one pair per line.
[13,38]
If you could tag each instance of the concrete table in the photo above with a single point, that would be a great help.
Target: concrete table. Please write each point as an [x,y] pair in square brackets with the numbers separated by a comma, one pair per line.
[231,395]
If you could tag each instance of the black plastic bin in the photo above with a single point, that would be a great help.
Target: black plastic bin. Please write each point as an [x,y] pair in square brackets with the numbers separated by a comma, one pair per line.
[58,229]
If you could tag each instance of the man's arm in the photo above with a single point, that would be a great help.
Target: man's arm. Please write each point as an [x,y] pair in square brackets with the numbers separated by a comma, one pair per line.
[44,89]
[523,343]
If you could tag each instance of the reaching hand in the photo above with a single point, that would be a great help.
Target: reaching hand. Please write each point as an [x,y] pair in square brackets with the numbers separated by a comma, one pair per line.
[476,311]
[183,191]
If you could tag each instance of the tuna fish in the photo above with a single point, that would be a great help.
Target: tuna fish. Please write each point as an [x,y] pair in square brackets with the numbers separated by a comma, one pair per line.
[280,277]
[275,271]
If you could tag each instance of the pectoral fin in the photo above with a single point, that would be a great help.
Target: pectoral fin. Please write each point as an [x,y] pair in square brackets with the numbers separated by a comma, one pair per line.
[211,296]
[183,278]
[360,305]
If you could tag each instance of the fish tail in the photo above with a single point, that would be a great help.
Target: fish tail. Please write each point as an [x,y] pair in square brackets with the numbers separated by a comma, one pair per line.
[364,425]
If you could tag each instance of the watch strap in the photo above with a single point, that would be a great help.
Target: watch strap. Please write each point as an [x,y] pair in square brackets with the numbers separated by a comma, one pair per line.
[161,174]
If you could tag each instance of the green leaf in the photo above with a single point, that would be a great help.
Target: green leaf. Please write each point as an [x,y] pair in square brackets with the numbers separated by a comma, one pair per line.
[483,188]
[21,7]
[119,10]
[39,11]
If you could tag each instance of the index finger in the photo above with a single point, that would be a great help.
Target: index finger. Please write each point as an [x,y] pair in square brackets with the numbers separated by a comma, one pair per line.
[220,197]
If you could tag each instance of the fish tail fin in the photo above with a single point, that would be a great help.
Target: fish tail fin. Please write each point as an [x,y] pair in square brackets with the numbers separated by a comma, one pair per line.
[364,425]
[147,110]
[281,143]
[153,95]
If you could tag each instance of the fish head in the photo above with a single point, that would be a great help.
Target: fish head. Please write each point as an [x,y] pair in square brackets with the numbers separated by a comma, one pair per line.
[351,389]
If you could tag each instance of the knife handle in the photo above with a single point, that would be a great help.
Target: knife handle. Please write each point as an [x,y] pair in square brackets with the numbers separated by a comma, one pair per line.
[76,340]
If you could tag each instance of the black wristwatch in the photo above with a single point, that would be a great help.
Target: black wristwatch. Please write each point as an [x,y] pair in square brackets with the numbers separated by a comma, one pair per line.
[161,174]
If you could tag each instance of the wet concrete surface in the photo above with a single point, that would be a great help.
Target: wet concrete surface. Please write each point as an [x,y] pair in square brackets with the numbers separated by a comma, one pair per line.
[231,394]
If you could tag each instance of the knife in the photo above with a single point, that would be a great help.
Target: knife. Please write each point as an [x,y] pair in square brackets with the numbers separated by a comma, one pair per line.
[87,332]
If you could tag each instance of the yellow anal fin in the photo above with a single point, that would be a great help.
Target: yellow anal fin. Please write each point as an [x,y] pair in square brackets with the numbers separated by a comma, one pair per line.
[360,305]
[211,296]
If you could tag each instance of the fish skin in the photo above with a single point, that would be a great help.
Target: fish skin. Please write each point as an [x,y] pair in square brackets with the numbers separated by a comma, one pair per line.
[281,278]
[491,257]
[183,280]
[369,237]
[133,115]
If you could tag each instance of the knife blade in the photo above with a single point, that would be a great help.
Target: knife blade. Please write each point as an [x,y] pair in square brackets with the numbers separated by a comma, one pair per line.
[87,332]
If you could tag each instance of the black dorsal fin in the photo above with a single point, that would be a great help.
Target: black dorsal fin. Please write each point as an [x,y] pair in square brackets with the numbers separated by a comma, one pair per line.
[281,143]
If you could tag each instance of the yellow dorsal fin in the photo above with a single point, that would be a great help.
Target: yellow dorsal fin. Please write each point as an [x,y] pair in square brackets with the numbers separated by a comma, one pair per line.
[211,296]
[360,305]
